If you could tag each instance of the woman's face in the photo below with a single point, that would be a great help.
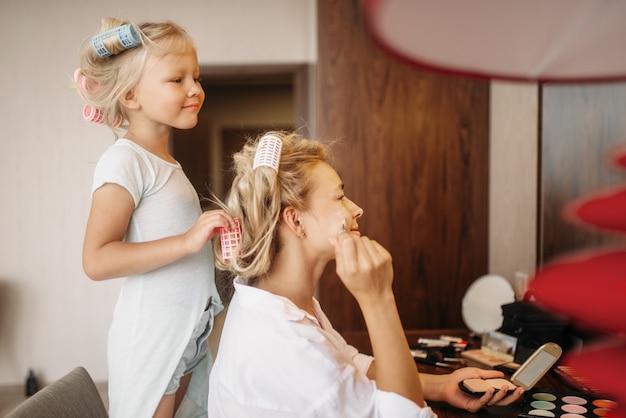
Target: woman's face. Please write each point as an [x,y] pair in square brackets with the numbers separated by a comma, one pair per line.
[329,210]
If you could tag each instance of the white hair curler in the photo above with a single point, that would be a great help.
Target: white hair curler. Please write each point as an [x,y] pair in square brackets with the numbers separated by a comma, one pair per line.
[268,152]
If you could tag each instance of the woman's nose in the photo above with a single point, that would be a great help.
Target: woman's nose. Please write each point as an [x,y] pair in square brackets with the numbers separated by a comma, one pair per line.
[358,211]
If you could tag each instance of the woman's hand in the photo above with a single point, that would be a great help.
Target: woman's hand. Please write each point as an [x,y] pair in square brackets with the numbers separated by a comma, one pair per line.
[364,266]
[446,388]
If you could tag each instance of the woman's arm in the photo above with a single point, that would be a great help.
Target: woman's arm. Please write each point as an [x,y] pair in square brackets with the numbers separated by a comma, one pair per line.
[365,268]
[445,388]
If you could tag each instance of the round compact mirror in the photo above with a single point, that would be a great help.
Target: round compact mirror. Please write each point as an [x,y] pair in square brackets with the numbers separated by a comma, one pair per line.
[482,303]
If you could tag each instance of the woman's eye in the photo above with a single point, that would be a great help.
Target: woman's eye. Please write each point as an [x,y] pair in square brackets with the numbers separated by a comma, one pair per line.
[342,197]
[177,80]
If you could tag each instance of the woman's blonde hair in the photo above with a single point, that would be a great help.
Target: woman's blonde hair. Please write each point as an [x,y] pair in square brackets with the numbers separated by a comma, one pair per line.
[106,80]
[259,196]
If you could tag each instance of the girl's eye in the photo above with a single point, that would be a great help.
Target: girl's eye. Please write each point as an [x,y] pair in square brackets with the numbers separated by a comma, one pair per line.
[342,197]
[197,79]
[177,80]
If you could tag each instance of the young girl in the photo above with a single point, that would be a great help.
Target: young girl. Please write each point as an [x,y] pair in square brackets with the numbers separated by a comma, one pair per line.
[279,355]
[145,222]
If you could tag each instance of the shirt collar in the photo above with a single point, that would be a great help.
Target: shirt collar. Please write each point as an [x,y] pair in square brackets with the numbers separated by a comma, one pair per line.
[261,300]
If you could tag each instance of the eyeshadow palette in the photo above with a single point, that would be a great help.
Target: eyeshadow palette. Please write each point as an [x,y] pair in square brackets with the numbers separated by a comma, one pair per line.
[550,403]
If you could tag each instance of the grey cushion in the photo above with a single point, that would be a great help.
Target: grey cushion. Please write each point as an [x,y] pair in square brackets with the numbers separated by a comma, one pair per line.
[73,396]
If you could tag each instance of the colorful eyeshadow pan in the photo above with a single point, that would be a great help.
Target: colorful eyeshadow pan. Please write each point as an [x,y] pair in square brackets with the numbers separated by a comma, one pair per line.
[541,413]
[605,403]
[542,396]
[542,405]
[557,404]
[575,409]
[575,400]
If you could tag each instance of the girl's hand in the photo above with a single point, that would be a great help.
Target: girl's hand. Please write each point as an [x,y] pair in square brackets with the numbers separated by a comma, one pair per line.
[205,228]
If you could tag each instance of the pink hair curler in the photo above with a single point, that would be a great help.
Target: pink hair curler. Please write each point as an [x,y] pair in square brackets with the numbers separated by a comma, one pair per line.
[268,152]
[127,37]
[96,115]
[93,114]
[88,85]
[230,238]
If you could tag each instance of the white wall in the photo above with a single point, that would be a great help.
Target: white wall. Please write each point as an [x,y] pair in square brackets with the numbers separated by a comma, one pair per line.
[513,174]
[52,317]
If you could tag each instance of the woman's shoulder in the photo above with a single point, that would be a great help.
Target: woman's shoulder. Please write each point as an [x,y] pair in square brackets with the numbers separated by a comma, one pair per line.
[278,333]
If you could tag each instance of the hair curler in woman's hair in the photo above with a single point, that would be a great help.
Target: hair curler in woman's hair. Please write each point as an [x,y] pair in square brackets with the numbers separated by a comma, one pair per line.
[268,152]
[230,239]
[96,115]
[124,37]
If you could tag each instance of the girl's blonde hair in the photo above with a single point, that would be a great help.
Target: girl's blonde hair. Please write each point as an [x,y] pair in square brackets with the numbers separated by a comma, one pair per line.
[108,79]
[259,196]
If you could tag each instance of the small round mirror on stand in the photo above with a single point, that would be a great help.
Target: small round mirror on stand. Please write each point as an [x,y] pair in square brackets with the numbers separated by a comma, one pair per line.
[482,303]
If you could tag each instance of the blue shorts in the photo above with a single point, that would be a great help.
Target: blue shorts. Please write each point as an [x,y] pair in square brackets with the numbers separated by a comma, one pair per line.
[196,350]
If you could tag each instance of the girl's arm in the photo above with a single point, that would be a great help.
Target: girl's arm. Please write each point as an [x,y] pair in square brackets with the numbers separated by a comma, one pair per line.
[107,256]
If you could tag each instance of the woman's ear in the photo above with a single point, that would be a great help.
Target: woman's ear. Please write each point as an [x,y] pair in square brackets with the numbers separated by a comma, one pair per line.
[291,219]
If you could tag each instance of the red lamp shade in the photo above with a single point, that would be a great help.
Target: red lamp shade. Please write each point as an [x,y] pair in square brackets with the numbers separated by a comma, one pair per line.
[618,158]
[605,366]
[533,40]
[605,210]
[588,287]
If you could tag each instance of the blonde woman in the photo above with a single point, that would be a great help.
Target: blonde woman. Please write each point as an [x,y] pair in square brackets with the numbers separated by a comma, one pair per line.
[279,355]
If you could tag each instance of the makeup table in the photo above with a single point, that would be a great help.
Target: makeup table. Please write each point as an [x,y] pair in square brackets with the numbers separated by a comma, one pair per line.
[551,380]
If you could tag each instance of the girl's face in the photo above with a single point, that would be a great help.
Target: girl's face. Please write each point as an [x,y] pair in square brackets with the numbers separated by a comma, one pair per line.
[329,209]
[169,91]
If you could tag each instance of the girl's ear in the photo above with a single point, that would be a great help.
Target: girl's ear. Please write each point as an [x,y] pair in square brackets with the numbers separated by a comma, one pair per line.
[129,101]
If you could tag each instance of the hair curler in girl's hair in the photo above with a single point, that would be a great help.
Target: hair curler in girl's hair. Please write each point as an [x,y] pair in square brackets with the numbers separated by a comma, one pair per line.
[95,115]
[268,152]
[88,85]
[126,35]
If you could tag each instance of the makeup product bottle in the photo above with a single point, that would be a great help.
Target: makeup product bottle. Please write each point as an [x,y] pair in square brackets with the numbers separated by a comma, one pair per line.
[31,383]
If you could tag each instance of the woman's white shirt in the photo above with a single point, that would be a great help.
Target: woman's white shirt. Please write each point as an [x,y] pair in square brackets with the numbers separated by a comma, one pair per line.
[276,360]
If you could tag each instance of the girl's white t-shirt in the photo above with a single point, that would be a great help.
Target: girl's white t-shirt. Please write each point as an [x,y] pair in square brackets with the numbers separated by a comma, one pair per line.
[156,311]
